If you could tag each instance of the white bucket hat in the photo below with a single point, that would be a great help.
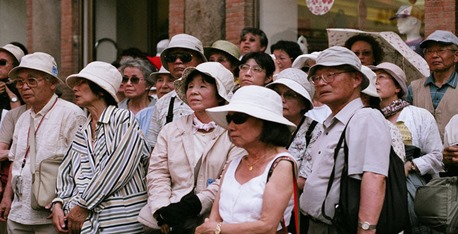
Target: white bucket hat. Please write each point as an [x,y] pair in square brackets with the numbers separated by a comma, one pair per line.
[253,100]
[38,61]
[103,74]
[223,77]
[338,56]
[153,76]
[370,90]
[296,80]
[13,50]
[301,59]
[183,41]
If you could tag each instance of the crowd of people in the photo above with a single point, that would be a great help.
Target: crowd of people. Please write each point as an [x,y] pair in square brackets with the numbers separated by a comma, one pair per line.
[231,140]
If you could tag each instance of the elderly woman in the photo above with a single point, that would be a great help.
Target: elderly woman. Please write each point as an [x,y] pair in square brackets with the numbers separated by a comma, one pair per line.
[252,200]
[101,181]
[189,155]
[224,52]
[285,53]
[297,92]
[137,82]
[256,68]
[418,128]
[366,48]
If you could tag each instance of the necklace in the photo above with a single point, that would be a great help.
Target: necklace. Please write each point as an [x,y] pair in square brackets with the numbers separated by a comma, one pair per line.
[250,166]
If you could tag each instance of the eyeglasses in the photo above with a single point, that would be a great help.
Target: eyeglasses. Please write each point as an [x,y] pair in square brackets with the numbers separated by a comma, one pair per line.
[184,57]
[237,118]
[246,68]
[327,77]
[133,80]
[31,82]
[364,53]
[440,51]
[3,62]
[288,95]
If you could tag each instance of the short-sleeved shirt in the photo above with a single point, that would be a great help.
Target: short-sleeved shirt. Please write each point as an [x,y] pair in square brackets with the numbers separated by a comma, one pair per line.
[369,142]
[8,123]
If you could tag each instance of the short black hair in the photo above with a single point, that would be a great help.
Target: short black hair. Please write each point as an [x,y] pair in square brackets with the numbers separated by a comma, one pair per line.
[264,60]
[275,133]
[207,79]
[290,47]
[102,93]
[255,31]
[377,50]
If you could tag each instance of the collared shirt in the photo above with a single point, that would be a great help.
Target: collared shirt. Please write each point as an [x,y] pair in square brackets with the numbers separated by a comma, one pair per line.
[53,138]
[436,92]
[109,177]
[368,138]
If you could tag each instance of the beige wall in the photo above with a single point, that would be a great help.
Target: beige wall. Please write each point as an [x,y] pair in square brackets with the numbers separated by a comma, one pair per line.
[13,21]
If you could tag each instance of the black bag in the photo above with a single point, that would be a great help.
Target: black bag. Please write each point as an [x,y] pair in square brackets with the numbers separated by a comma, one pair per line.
[394,216]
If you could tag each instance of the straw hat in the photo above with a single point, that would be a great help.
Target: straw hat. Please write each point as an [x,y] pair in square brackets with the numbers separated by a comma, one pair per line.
[38,61]
[225,47]
[253,100]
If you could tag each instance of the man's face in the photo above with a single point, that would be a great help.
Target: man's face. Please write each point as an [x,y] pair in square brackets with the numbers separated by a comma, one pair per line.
[179,59]
[440,57]
[250,43]
[34,88]
[6,64]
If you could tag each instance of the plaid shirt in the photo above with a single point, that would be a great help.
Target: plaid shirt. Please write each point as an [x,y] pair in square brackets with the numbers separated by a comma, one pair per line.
[436,92]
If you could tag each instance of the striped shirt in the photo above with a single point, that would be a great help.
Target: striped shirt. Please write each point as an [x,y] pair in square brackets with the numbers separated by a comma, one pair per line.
[108,178]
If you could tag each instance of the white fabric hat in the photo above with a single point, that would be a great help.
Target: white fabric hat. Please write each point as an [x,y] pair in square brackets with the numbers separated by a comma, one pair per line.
[162,45]
[103,74]
[396,72]
[223,77]
[370,90]
[296,80]
[38,61]
[14,50]
[183,41]
[153,76]
[253,100]
[301,59]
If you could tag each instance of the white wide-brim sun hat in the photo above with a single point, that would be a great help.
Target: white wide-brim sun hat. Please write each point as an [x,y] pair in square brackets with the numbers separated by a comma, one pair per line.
[38,61]
[256,101]
[103,74]
[371,89]
[296,80]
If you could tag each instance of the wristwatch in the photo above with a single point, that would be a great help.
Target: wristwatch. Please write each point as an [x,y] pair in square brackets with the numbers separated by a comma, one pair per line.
[14,99]
[218,228]
[366,226]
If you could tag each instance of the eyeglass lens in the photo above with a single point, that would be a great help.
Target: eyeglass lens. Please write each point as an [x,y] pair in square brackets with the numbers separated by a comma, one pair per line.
[184,57]
[3,62]
[237,118]
[133,80]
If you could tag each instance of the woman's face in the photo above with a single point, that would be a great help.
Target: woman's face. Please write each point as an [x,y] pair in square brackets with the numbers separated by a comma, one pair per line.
[164,84]
[293,103]
[84,96]
[246,133]
[134,83]
[386,86]
[252,74]
[364,52]
[282,59]
[200,94]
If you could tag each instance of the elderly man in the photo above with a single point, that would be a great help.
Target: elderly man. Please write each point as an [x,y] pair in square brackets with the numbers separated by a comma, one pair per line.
[54,122]
[183,51]
[10,56]
[338,81]
[437,93]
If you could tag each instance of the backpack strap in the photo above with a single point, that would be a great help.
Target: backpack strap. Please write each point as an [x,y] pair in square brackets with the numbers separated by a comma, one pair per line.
[169,116]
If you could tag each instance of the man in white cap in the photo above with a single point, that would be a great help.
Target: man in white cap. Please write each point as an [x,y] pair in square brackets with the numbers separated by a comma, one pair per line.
[10,57]
[183,51]
[54,122]
[437,93]
[338,82]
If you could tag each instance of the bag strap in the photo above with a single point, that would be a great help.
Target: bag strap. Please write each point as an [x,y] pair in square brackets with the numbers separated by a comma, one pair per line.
[308,134]
[296,194]
[32,147]
[295,132]
[169,116]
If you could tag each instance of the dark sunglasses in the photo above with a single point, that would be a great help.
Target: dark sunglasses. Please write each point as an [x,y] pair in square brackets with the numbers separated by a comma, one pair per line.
[237,118]
[184,57]
[133,80]
[3,62]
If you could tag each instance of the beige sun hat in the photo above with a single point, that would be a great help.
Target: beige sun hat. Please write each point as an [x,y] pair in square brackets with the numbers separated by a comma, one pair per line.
[337,56]
[38,61]
[103,74]
[13,50]
[396,72]
[223,77]
[371,89]
[257,101]
[296,80]
[226,47]
[153,76]
[183,41]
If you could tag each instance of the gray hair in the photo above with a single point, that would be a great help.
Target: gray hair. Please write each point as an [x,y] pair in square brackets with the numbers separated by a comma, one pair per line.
[143,65]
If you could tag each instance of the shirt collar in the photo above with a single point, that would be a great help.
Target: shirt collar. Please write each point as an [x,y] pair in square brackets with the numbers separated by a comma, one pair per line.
[344,115]
[46,108]
[452,81]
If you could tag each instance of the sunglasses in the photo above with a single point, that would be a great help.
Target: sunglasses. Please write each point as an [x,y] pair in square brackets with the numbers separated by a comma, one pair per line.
[237,118]
[3,62]
[133,80]
[184,57]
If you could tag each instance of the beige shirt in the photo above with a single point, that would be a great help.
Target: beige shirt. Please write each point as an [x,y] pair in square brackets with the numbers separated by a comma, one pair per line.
[54,136]
[8,123]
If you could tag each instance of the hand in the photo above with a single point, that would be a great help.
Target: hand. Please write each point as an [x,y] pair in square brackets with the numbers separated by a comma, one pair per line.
[407,167]
[451,154]
[5,207]
[76,218]
[207,227]
[165,228]
[58,218]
